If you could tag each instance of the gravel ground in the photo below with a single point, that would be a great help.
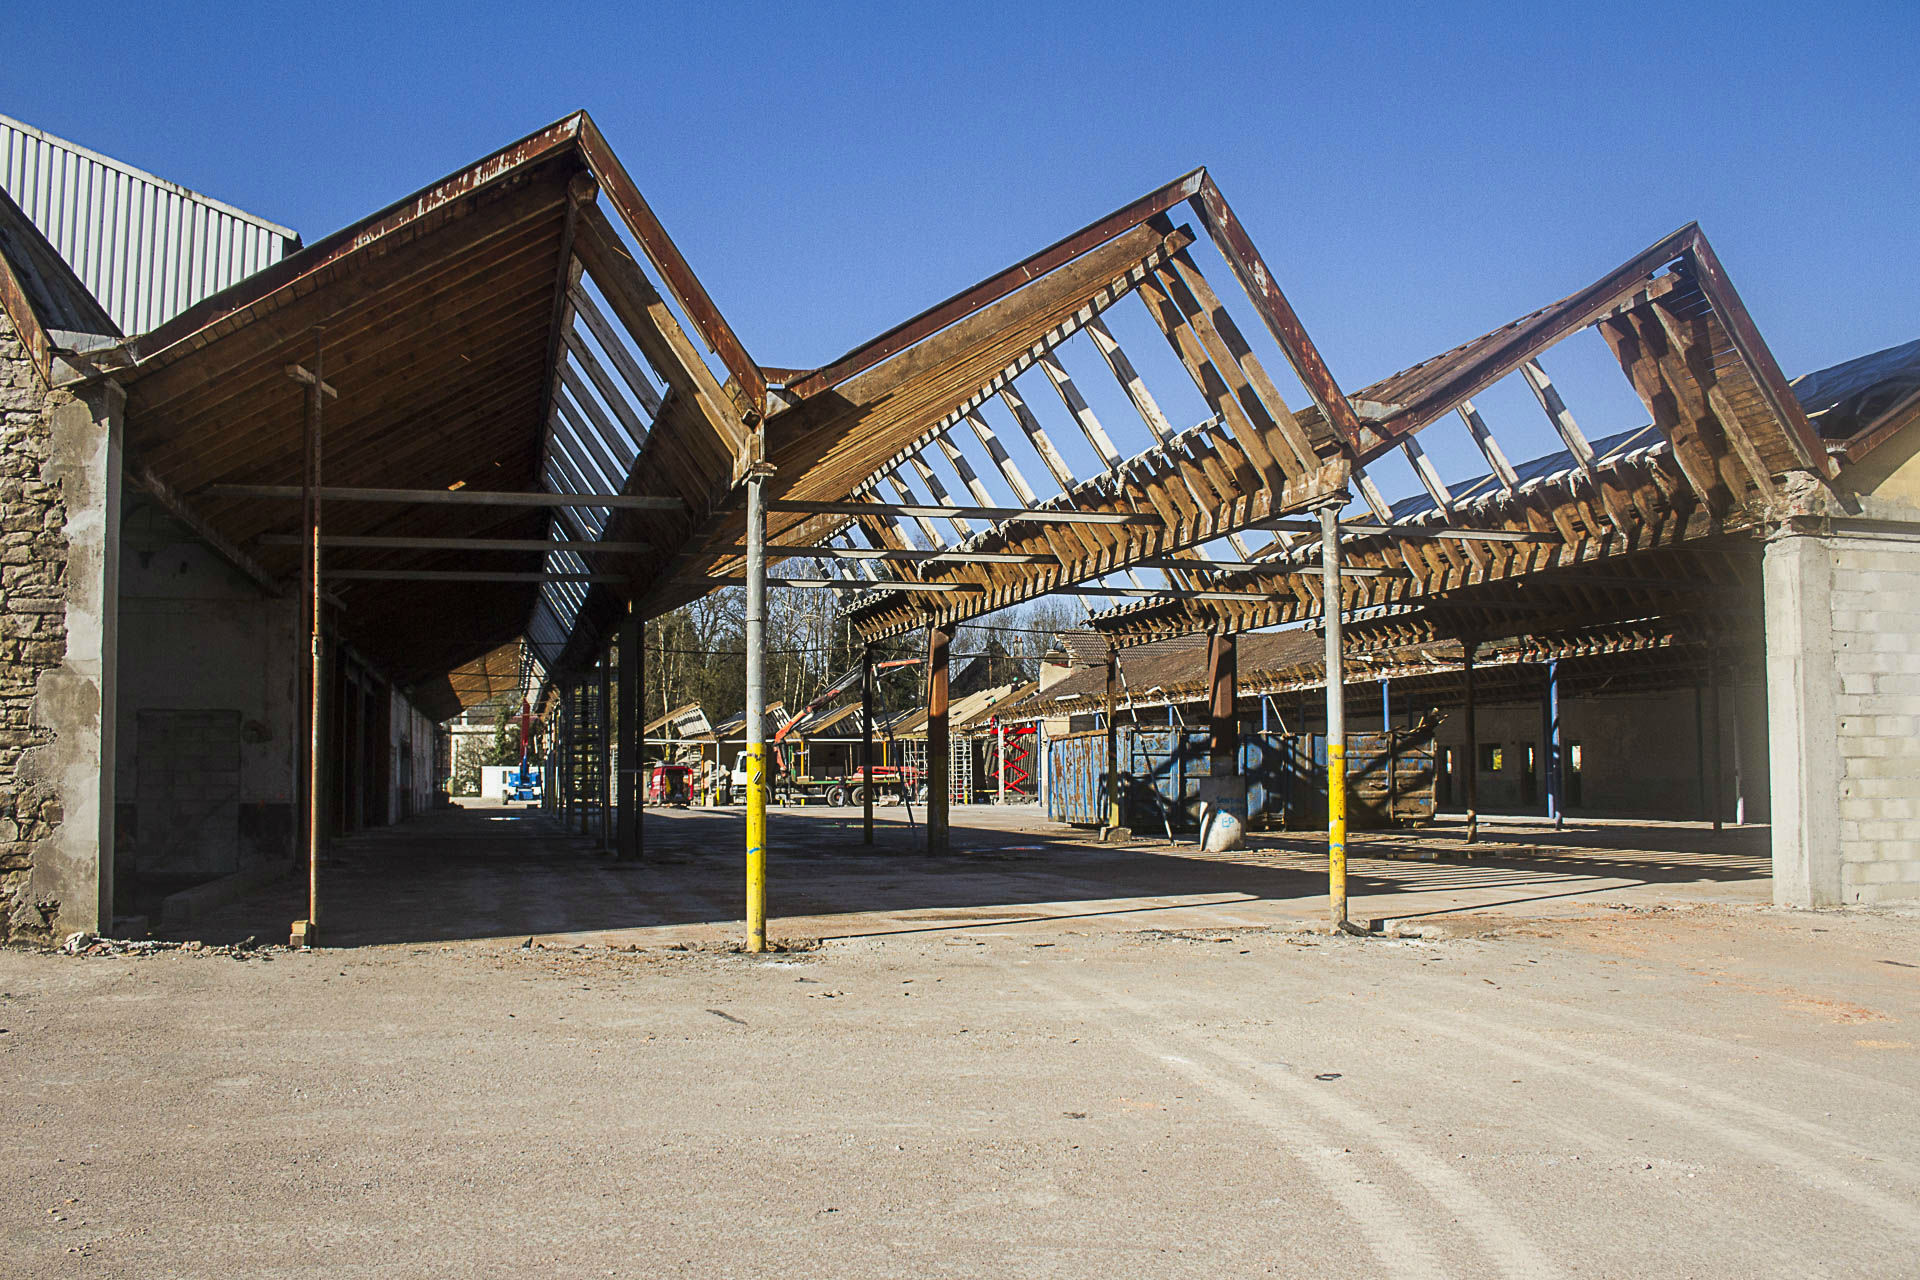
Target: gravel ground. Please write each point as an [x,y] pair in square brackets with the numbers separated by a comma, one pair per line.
[1719,1090]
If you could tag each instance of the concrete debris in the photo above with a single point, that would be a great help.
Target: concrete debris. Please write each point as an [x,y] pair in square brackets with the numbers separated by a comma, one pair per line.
[89,944]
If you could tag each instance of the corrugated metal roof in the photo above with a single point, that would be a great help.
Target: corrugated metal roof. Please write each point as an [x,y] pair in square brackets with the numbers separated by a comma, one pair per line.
[147,248]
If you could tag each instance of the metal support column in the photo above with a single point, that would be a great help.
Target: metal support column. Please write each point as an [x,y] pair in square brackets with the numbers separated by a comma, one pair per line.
[1699,752]
[1713,743]
[1556,801]
[1113,740]
[1472,767]
[565,743]
[306,932]
[867,785]
[756,711]
[603,779]
[1332,598]
[633,748]
[939,744]
[1739,776]
[1000,734]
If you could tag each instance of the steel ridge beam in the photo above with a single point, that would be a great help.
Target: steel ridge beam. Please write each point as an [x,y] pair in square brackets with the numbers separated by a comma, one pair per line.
[847,584]
[456,544]
[461,575]
[998,515]
[913,557]
[1411,531]
[450,497]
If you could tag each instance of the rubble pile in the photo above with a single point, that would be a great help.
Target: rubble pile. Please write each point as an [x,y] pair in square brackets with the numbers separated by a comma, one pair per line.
[90,944]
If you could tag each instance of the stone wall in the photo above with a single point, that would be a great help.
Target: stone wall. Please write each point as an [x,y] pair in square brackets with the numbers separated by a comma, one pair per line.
[32,630]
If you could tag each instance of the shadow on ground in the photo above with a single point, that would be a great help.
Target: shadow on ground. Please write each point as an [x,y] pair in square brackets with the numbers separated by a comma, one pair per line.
[489,872]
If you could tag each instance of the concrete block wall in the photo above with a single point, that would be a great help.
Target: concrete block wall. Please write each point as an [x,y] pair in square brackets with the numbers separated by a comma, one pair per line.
[1843,640]
[1639,754]
[199,639]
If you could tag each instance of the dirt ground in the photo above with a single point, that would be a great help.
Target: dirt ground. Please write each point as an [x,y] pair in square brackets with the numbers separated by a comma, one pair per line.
[1571,1079]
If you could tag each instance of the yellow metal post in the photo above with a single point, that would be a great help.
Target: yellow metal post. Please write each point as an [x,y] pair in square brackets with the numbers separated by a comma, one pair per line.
[756,712]
[756,847]
[1331,595]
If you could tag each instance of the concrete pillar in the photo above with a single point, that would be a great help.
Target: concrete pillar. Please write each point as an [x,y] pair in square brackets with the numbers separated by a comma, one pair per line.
[939,640]
[71,885]
[1802,722]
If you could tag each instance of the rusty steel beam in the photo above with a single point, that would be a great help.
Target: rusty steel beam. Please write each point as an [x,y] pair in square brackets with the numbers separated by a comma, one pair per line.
[1000,515]
[1252,273]
[453,497]
[665,256]
[1746,339]
[323,253]
[464,575]
[396,543]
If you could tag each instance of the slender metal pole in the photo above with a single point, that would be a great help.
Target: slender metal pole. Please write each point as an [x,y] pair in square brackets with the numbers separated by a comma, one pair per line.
[603,771]
[1332,598]
[756,713]
[316,396]
[1001,728]
[1556,801]
[1699,751]
[1739,778]
[1713,745]
[1472,770]
[1113,741]
[633,716]
[866,744]
[939,742]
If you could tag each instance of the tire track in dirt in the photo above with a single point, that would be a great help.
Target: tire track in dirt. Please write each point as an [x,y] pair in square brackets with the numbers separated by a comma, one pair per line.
[1400,1247]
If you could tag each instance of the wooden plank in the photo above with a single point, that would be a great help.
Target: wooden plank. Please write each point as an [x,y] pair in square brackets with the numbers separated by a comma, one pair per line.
[1241,353]
[1262,429]
[1699,364]
[1643,372]
[636,378]
[1489,447]
[1038,438]
[1090,426]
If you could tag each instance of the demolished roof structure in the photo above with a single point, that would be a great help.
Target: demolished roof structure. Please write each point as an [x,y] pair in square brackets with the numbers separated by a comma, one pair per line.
[523,338]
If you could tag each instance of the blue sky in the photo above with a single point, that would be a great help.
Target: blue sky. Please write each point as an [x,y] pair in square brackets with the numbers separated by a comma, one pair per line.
[1415,174]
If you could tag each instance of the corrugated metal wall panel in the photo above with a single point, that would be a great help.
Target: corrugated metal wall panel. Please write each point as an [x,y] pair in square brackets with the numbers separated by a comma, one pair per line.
[147,248]
[1391,778]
